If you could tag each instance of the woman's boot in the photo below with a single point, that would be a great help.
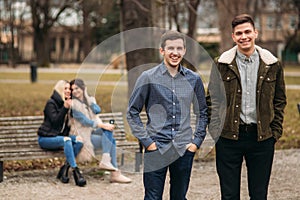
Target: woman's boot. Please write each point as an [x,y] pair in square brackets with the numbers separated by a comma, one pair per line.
[79,180]
[63,173]
[118,177]
[105,163]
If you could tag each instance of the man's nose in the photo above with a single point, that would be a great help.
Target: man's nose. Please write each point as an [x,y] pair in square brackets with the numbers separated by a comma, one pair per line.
[175,51]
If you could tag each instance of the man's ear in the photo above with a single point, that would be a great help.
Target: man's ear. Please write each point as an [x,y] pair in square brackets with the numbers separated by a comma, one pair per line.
[184,51]
[161,51]
[233,38]
[256,33]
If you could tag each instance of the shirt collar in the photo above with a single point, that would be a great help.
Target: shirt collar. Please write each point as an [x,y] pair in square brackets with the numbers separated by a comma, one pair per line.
[245,59]
[164,69]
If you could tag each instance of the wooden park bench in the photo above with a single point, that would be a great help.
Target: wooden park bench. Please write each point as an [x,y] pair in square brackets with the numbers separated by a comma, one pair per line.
[18,138]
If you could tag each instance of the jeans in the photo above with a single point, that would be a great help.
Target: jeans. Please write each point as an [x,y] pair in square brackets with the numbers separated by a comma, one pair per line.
[180,172]
[258,157]
[103,139]
[71,147]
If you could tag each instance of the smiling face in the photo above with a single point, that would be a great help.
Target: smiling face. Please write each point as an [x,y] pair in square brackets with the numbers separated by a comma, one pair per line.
[173,52]
[244,36]
[67,91]
[77,92]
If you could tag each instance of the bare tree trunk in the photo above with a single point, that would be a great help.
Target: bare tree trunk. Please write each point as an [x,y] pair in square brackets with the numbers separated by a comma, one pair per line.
[173,15]
[193,17]
[8,6]
[294,36]
[41,29]
[227,10]
[86,39]
[42,48]
[136,14]
[192,29]
[42,21]
[12,42]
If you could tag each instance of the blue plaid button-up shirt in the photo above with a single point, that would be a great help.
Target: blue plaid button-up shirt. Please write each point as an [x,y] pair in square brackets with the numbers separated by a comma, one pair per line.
[168,101]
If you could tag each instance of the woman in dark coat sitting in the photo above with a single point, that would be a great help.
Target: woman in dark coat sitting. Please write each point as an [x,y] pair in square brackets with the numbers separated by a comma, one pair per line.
[54,132]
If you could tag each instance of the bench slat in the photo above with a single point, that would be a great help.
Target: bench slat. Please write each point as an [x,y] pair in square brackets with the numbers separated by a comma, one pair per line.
[18,137]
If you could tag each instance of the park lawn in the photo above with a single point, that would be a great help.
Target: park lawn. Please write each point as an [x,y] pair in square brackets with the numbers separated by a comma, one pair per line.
[291,125]
[291,68]
[292,80]
[30,99]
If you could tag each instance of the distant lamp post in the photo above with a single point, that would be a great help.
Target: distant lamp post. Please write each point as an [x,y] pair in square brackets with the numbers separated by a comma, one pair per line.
[33,72]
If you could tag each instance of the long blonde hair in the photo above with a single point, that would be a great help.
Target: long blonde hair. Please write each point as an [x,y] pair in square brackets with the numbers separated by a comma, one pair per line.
[60,87]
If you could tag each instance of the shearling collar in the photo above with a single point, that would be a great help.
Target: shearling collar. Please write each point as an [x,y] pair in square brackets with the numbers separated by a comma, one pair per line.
[266,56]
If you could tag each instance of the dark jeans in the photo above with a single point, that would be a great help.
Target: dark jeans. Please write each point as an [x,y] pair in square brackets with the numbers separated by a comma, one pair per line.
[180,172]
[258,157]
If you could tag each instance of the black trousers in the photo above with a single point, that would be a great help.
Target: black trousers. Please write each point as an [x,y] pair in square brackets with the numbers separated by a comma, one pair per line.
[258,157]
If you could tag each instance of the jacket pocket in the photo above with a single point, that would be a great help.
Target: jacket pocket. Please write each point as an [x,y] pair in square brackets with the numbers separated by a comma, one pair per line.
[230,81]
[269,85]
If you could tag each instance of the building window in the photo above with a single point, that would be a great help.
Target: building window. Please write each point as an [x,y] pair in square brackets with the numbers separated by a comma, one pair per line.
[71,44]
[257,23]
[278,24]
[270,22]
[62,44]
[53,44]
[293,22]
[274,22]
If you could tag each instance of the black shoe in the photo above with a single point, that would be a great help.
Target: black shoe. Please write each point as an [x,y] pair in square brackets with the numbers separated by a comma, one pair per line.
[63,173]
[79,180]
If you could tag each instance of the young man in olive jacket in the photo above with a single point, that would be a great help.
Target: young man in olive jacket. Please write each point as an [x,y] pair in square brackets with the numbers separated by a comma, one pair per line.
[247,99]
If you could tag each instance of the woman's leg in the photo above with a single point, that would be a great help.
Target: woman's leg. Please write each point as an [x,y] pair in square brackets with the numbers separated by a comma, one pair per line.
[74,146]
[96,141]
[105,141]
[51,143]
[58,142]
[109,143]
[77,144]
[69,152]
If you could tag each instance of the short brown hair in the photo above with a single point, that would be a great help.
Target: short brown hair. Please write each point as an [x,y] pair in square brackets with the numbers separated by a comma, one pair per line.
[241,19]
[171,35]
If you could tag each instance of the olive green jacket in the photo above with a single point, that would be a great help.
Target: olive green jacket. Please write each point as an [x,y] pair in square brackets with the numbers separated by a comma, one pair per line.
[225,96]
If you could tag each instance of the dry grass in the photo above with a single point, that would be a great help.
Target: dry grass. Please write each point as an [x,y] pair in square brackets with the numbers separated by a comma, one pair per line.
[291,125]
[29,99]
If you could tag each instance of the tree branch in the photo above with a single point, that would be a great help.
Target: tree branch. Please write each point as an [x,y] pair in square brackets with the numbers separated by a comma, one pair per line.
[190,7]
[140,6]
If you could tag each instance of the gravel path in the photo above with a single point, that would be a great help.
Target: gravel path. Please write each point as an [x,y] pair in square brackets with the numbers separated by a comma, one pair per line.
[41,184]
